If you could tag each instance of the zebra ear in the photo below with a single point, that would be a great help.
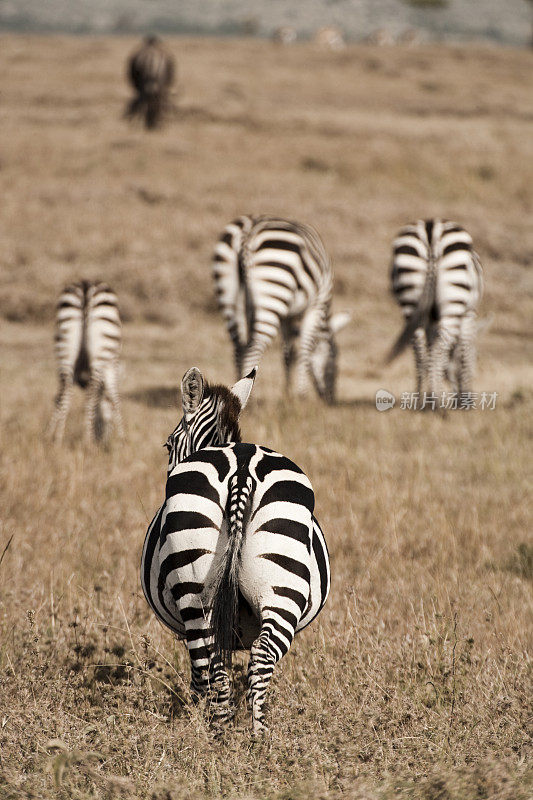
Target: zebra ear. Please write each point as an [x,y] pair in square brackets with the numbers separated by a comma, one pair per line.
[192,391]
[243,387]
[339,321]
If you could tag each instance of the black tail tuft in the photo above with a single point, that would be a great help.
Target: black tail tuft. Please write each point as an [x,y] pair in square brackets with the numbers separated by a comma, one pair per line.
[249,307]
[226,593]
[225,605]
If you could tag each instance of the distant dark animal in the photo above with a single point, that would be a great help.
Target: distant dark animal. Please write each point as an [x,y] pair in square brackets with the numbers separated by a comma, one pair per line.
[151,72]
[437,280]
[273,274]
[88,341]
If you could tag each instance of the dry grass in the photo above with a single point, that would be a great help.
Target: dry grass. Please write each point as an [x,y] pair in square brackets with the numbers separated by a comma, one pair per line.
[415,680]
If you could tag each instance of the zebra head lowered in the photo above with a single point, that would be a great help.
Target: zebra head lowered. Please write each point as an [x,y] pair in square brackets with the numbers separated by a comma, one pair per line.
[210,415]
[323,357]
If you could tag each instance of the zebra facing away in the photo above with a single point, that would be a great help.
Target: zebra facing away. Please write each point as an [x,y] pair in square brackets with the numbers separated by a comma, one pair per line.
[234,559]
[87,343]
[437,280]
[151,73]
[272,274]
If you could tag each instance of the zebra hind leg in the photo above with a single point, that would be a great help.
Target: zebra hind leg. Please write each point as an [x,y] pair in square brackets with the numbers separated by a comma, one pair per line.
[62,404]
[94,424]
[209,679]
[467,355]
[221,709]
[421,358]
[289,336]
[111,411]
[264,656]
[438,358]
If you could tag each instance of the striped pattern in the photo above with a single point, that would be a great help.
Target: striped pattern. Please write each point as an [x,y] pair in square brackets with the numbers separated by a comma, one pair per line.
[234,559]
[88,340]
[151,73]
[437,281]
[272,274]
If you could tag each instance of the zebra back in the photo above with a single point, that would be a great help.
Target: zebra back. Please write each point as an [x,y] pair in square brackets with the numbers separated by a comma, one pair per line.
[151,68]
[88,329]
[435,273]
[266,268]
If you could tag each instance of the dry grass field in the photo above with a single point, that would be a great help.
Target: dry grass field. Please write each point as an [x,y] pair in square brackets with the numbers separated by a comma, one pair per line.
[415,681]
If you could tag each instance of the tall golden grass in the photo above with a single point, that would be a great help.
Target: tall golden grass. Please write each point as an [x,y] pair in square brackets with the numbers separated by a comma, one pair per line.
[415,680]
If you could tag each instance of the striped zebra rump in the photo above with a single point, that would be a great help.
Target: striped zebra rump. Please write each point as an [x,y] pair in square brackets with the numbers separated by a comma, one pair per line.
[88,341]
[437,280]
[185,547]
[151,72]
[274,275]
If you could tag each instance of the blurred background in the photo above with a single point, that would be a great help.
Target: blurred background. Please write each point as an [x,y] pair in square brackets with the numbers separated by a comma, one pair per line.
[504,21]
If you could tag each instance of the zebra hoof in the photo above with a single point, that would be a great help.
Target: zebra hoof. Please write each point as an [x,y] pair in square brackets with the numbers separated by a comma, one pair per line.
[259,729]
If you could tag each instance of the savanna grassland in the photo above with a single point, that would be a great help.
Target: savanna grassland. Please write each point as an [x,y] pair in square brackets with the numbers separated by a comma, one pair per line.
[415,681]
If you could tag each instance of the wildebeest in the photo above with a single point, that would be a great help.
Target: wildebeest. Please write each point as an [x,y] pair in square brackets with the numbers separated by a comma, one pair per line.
[151,72]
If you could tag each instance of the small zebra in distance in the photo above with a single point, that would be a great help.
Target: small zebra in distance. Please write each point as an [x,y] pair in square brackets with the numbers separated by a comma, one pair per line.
[330,38]
[88,340]
[234,559]
[151,73]
[285,35]
[272,274]
[437,280]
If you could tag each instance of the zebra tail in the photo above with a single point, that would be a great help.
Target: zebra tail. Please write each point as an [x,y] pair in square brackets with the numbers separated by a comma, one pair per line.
[420,315]
[226,593]
[244,289]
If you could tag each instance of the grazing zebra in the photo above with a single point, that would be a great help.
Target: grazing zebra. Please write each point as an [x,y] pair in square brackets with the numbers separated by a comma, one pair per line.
[234,559]
[437,281]
[330,38]
[274,274]
[285,34]
[151,73]
[87,343]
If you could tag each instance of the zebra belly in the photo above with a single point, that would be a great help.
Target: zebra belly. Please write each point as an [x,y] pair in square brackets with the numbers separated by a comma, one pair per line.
[157,593]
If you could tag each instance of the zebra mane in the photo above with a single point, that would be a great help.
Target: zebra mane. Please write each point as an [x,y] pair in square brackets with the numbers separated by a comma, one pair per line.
[229,409]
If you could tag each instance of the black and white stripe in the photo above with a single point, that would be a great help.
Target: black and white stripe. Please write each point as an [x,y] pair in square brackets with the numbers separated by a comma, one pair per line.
[437,281]
[234,559]
[151,72]
[272,274]
[88,340]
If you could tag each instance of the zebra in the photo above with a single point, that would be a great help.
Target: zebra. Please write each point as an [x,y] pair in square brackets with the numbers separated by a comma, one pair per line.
[151,72]
[330,38]
[234,559]
[437,280]
[271,274]
[87,343]
[285,35]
